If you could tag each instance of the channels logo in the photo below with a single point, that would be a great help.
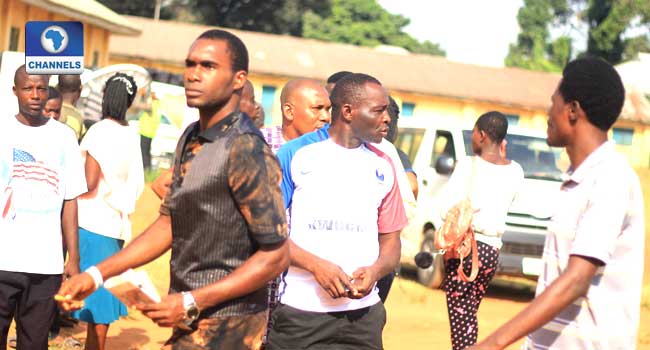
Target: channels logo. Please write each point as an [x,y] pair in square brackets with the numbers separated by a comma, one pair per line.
[54,47]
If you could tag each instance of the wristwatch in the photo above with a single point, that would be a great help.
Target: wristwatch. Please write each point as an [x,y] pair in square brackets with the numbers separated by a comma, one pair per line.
[191,309]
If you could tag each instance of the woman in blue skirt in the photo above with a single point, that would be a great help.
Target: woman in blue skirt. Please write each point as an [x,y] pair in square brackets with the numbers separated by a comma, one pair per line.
[115,178]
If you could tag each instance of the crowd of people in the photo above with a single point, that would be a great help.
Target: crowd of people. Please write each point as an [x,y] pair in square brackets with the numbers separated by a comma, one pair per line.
[288,237]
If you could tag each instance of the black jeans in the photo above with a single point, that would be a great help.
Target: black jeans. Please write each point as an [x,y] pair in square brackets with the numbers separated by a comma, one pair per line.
[29,298]
[345,330]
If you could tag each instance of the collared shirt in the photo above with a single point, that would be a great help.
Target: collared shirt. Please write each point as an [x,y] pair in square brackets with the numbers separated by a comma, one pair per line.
[600,216]
[224,202]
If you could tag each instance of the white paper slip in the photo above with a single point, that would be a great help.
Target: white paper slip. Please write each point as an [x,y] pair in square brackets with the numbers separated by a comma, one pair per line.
[133,287]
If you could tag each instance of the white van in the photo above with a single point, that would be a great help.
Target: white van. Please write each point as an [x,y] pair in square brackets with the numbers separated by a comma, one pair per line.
[433,148]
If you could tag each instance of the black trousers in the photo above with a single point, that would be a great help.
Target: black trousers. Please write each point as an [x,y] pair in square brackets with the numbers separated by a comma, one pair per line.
[346,330]
[29,298]
[145,148]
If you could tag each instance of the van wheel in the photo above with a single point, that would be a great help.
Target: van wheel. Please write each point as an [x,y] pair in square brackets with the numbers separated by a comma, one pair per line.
[433,276]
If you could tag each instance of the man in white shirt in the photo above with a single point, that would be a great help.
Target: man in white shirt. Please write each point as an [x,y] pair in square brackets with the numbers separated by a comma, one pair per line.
[328,297]
[589,294]
[41,175]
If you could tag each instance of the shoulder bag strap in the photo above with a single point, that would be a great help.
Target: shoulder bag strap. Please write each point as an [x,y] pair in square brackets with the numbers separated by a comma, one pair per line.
[474,272]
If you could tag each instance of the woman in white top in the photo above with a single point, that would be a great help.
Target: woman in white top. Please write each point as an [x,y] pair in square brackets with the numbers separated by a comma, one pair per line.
[491,182]
[115,181]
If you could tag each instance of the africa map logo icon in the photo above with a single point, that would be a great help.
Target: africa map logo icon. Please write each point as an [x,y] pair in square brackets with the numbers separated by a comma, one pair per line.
[54,47]
[54,39]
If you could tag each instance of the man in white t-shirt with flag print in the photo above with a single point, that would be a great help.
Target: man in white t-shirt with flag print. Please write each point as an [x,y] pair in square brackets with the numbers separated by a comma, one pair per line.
[346,216]
[41,175]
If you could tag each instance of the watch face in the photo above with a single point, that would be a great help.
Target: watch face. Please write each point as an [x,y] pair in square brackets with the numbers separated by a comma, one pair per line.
[193,312]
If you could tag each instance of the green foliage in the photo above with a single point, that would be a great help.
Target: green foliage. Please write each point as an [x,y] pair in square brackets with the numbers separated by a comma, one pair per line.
[357,22]
[364,23]
[269,16]
[137,8]
[608,23]
[533,50]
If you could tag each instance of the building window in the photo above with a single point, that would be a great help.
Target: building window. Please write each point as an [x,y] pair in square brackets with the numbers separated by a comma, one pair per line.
[513,119]
[268,98]
[407,109]
[623,136]
[95,59]
[14,34]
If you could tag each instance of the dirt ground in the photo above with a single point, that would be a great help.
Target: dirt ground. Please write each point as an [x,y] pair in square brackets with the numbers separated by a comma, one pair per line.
[417,317]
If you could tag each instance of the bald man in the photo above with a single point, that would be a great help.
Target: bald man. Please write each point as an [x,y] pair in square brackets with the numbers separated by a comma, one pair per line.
[38,205]
[305,108]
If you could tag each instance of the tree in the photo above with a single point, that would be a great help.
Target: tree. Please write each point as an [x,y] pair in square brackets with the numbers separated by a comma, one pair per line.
[137,8]
[533,50]
[364,23]
[269,16]
[358,22]
[608,21]
[608,24]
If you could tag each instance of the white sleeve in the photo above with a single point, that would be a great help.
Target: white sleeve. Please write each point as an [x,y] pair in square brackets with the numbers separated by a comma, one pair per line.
[90,139]
[75,174]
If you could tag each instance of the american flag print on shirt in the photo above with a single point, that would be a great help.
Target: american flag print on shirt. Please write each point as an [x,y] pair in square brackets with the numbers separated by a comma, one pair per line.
[27,168]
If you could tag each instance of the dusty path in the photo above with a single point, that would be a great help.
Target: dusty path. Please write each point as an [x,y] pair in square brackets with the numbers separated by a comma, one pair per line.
[417,317]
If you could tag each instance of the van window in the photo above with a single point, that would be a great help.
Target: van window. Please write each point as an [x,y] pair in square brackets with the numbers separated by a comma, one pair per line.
[538,160]
[443,146]
[409,140]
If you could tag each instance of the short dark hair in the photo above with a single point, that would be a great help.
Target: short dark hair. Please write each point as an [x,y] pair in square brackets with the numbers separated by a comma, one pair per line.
[334,78]
[350,89]
[21,73]
[53,94]
[69,83]
[238,51]
[597,87]
[119,92]
[494,124]
[393,112]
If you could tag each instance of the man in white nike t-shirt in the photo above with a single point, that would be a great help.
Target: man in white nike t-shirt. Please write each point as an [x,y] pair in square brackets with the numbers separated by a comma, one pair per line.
[328,297]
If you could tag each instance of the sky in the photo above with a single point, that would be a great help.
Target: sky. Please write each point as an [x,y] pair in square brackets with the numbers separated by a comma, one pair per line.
[470,31]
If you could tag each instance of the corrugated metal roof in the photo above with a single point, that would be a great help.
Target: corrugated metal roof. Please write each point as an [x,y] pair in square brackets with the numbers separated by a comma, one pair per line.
[283,55]
[287,56]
